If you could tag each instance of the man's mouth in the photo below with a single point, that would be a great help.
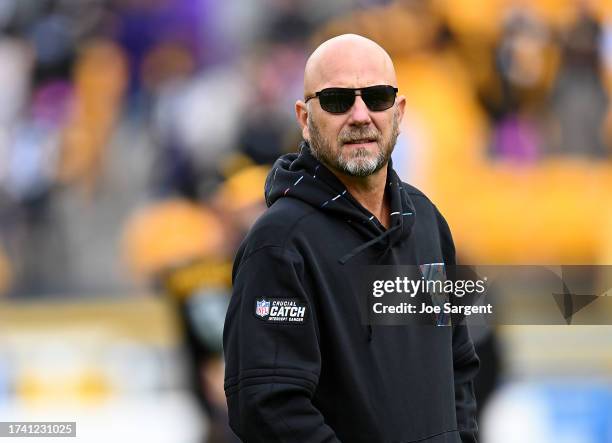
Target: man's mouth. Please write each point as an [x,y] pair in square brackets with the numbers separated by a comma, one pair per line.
[361,141]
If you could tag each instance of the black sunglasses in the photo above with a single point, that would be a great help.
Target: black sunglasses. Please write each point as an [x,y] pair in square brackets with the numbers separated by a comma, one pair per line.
[339,100]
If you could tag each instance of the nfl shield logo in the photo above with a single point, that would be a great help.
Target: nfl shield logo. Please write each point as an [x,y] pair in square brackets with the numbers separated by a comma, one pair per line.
[263,307]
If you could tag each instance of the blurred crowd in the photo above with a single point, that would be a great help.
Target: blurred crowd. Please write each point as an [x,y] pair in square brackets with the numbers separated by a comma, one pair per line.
[112,105]
[136,135]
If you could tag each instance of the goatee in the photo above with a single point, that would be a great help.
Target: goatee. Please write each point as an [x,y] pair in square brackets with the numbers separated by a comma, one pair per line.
[362,162]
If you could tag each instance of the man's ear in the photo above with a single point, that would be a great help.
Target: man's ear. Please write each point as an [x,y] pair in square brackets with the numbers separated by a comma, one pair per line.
[301,113]
[401,105]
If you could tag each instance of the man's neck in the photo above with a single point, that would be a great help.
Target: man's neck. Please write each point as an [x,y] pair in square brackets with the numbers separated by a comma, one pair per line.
[369,192]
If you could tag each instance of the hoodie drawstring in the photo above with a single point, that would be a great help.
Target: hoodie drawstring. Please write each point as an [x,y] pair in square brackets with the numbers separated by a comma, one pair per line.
[362,248]
[359,249]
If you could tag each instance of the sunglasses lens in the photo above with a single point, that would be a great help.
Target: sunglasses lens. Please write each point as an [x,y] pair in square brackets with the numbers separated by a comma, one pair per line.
[336,101]
[378,98]
[340,100]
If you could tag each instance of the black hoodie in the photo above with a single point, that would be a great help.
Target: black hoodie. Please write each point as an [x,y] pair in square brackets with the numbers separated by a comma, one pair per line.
[300,365]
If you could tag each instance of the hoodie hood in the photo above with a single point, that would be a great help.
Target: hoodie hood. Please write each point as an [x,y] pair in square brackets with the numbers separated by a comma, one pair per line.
[303,177]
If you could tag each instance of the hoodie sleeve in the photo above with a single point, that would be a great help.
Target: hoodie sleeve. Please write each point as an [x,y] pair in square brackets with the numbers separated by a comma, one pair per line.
[465,368]
[465,360]
[272,367]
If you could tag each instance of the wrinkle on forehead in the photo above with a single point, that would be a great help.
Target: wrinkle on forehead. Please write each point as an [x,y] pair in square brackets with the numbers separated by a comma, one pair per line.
[350,61]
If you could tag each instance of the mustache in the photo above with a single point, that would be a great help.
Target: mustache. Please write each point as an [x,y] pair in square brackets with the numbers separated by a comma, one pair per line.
[359,135]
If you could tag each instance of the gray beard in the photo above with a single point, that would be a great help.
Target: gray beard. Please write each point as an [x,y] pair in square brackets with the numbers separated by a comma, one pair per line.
[360,164]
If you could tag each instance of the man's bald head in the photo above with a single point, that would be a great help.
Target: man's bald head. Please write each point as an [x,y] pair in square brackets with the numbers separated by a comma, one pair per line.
[359,141]
[348,60]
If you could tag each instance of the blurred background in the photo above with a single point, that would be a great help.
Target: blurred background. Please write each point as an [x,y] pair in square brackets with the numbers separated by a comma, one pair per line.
[135,137]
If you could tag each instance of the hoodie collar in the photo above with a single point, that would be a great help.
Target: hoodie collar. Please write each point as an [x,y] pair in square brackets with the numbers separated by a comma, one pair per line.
[302,176]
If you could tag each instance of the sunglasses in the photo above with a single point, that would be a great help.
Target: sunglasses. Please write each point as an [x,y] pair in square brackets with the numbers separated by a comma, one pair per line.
[339,100]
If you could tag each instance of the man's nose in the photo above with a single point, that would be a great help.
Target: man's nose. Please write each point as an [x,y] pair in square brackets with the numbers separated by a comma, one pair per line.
[359,113]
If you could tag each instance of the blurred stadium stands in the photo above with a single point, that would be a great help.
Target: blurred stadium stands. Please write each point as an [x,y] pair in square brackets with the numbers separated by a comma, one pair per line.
[135,136]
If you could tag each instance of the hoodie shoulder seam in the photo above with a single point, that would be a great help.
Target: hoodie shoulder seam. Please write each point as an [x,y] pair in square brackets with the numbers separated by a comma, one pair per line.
[295,223]
[282,245]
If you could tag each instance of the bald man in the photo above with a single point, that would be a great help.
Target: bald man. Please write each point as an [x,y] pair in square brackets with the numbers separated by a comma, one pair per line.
[300,364]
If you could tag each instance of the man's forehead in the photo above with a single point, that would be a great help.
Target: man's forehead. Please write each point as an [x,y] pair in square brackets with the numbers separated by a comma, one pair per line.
[348,61]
